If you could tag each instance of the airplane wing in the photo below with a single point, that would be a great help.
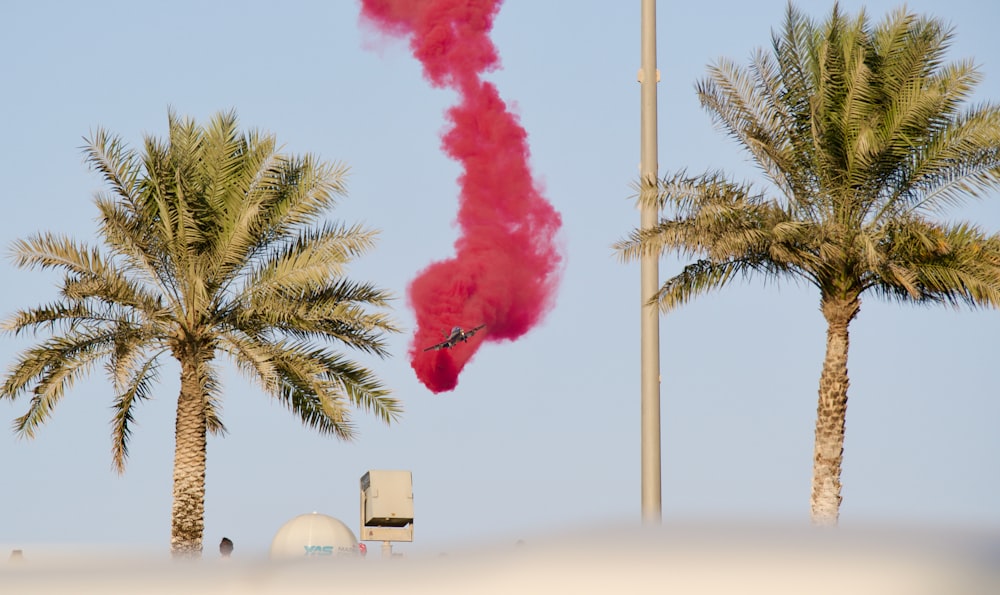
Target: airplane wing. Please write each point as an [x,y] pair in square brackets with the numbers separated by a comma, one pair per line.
[441,345]
[471,332]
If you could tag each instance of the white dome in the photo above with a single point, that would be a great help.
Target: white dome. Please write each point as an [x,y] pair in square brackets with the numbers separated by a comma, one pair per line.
[313,536]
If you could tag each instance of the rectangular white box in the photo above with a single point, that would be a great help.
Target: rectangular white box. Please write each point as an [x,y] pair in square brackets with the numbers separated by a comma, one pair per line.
[387,497]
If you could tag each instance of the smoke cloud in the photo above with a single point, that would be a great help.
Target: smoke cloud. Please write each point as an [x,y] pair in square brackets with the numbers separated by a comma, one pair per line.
[506,266]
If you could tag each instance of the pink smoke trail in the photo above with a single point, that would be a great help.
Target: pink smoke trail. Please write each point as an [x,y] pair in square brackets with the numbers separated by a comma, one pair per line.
[506,266]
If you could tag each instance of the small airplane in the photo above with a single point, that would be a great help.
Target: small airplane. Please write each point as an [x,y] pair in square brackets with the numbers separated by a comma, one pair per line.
[456,335]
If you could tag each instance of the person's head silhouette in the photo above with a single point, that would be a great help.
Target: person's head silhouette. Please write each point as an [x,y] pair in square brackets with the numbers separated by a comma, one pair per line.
[226,547]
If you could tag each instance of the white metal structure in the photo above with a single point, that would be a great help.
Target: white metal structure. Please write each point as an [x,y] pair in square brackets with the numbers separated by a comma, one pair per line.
[387,507]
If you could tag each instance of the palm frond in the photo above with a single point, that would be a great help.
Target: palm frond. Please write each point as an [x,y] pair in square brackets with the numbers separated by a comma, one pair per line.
[702,276]
[116,163]
[310,187]
[212,388]
[310,260]
[136,388]
[362,388]
[50,251]
[314,383]
[306,391]
[49,316]
[52,367]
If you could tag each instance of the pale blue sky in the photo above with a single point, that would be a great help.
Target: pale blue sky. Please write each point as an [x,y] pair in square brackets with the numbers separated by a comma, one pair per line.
[541,435]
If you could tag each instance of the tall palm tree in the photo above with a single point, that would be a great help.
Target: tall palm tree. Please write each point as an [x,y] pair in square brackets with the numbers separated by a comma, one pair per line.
[213,244]
[864,135]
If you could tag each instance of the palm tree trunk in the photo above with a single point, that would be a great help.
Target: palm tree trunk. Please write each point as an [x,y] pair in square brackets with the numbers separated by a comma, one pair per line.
[188,516]
[831,413]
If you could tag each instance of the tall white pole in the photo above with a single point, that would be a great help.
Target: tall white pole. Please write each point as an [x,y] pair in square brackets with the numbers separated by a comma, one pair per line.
[650,334]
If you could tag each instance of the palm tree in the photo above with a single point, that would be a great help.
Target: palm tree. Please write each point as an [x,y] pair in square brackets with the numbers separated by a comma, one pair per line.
[213,244]
[864,135]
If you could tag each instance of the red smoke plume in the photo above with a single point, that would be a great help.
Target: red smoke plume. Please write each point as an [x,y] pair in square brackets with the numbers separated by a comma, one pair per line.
[506,265]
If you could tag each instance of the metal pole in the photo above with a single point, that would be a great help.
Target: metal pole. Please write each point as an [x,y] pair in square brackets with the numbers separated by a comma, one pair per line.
[650,334]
